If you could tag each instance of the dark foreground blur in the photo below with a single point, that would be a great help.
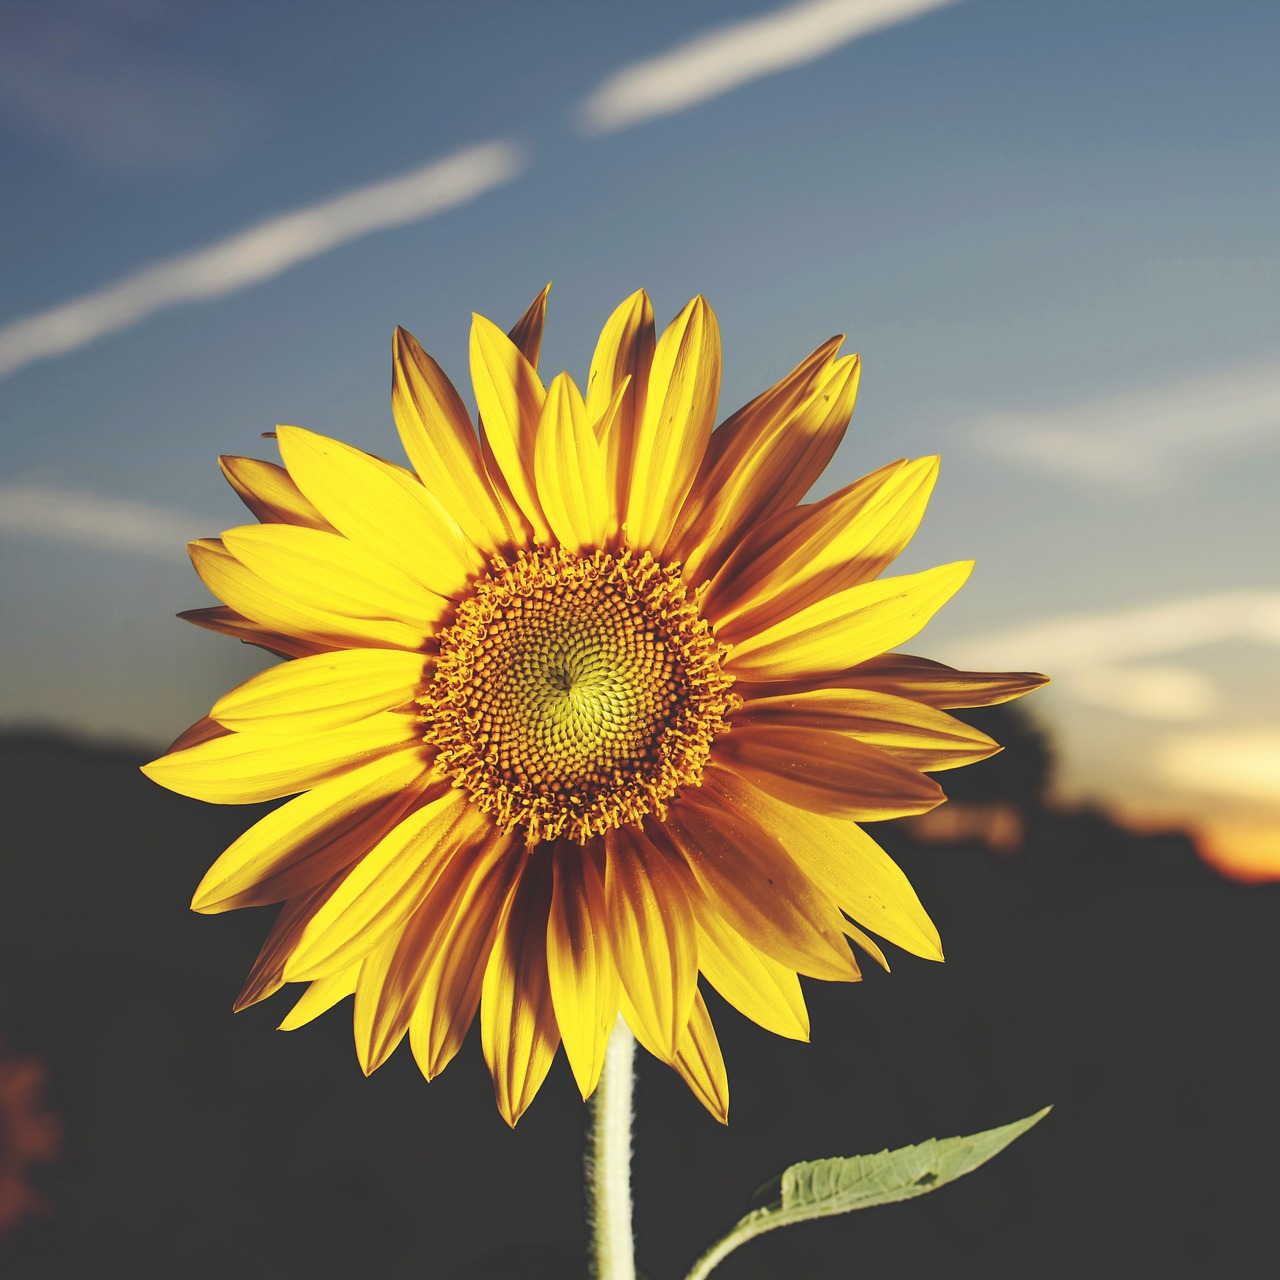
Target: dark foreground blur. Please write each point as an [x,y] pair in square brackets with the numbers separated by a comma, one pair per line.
[1109,974]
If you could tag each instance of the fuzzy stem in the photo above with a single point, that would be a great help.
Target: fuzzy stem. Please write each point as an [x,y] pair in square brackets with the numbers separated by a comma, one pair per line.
[609,1162]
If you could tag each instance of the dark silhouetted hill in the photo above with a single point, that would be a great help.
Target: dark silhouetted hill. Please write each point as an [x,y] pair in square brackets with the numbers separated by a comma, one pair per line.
[1109,974]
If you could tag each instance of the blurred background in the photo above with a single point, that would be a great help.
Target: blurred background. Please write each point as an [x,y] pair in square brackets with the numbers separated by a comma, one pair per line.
[1051,232]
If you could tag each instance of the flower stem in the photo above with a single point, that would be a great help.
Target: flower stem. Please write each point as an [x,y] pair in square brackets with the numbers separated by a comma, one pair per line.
[609,1162]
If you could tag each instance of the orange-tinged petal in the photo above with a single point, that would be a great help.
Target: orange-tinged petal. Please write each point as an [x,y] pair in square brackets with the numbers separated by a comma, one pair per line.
[772,469]
[757,887]
[442,445]
[672,434]
[827,772]
[701,1063]
[270,493]
[755,984]
[527,331]
[620,370]
[569,468]
[278,609]
[385,887]
[449,993]
[315,836]
[509,396]
[518,1031]
[842,541]
[204,729]
[735,438]
[938,685]
[430,970]
[244,768]
[383,509]
[580,966]
[917,734]
[847,628]
[333,573]
[652,935]
[228,622]
[319,997]
[840,858]
[267,975]
[323,691]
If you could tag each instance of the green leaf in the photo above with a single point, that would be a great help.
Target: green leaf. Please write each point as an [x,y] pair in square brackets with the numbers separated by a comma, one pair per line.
[820,1188]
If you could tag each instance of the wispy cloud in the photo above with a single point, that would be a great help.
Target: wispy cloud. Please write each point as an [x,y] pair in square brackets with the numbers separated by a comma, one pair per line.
[1143,441]
[1112,658]
[1240,764]
[259,252]
[725,57]
[102,523]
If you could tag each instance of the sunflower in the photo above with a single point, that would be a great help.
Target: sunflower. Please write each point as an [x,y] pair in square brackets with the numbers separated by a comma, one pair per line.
[588,707]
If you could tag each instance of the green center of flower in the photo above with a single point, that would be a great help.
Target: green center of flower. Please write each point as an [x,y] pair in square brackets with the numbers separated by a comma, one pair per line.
[573,694]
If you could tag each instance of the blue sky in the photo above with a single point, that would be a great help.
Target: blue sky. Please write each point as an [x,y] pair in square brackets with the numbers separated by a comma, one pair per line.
[1050,229]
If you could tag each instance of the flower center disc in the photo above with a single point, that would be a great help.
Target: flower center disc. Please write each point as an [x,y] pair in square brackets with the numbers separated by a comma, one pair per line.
[574,694]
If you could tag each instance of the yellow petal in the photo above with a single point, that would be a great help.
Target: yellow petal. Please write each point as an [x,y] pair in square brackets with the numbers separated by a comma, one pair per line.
[441,443]
[279,610]
[383,509]
[244,768]
[228,622]
[509,397]
[518,1031]
[866,943]
[917,734]
[270,493]
[527,332]
[701,1063]
[323,691]
[386,886]
[771,469]
[569,467]
[756,886]
[847,628]
[755,984]
[333,573]
[652,934]
[453,972]
[580,966]
[377,1039]
[842,541]
[320,997]
[826,772]
[315,836]
[939,685]
[620,371]
[679,408]
[841,859]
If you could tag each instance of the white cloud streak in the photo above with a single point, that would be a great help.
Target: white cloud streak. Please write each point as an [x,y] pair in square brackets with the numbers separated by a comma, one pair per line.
[259,252]
[1111,658]
[106,524]
[1076,641]
[1144,441]
[725,57]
